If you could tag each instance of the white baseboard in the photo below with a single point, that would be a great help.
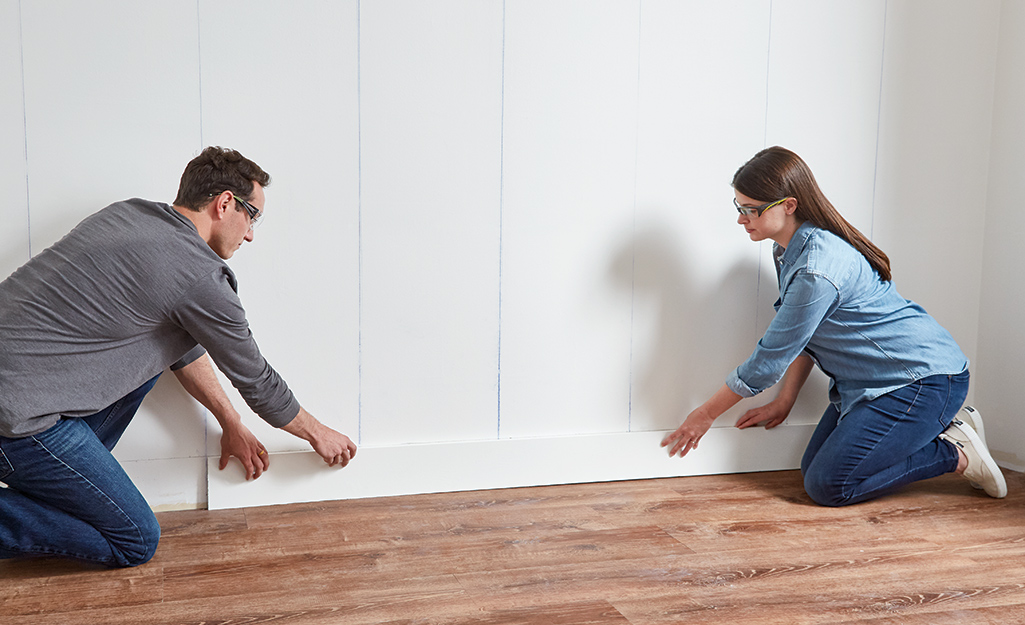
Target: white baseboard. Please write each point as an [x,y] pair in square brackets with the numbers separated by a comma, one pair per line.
[478,465]
[170,483]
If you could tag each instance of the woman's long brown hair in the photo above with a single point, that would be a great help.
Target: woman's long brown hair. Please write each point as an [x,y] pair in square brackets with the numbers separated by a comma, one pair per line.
[776,173]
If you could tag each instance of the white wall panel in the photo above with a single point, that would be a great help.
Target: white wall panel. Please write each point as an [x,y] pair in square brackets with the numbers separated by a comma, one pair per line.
[14,233]
[112,112]
[512,219]
[281,86]
[569,154]
[170,424]
[430,89]
[997,371]
[695,272]
[172,483]
[936,118]
[825,66]
[824,81]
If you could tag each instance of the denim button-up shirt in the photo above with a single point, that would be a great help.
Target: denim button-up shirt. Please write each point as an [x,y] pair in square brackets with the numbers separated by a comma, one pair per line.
[834,307]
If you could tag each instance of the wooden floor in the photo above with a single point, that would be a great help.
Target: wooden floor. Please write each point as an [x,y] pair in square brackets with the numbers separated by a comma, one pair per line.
[721,549]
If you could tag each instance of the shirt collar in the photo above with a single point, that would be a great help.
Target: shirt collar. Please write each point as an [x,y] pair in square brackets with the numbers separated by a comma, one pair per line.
[788,255]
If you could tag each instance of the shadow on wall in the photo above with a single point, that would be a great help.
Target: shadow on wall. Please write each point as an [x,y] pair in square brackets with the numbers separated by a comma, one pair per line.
[689,333]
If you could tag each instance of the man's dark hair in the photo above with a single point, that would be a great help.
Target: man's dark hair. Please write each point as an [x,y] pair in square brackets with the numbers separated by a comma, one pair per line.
[215,171]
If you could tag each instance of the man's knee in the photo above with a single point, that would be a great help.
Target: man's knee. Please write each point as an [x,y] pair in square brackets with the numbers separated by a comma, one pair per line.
[139,546]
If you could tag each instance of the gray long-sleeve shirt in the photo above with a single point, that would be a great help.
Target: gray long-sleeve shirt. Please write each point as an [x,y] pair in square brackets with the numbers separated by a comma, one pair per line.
[131,290]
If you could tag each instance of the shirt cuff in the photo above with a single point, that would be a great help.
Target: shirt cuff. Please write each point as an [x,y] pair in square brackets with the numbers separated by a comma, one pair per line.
[190,357]
[738,386]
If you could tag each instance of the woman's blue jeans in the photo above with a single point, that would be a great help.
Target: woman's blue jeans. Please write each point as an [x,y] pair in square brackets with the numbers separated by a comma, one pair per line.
[883,444]
[67,496]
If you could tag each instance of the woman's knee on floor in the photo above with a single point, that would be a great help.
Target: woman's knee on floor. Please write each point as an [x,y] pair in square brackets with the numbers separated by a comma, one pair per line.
[825,490]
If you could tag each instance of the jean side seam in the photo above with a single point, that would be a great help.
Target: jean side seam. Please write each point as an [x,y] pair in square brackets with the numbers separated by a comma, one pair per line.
[104,496]
[846,483]
[111,411]
[895,480]
[951,446]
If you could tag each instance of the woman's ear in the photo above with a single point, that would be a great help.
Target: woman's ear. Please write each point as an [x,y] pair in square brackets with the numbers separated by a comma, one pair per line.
[790,206]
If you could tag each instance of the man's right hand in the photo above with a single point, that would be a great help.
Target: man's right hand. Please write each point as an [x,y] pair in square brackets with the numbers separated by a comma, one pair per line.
[334,447]
[237,440]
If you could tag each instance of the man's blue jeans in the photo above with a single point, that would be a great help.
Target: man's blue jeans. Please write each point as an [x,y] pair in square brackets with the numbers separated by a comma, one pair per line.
[67,496]
[885,443]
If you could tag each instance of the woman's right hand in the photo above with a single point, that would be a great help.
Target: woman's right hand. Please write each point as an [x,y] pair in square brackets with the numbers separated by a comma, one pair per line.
[687,436]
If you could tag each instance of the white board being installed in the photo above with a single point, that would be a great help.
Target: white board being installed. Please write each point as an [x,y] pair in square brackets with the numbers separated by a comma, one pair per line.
[476,465]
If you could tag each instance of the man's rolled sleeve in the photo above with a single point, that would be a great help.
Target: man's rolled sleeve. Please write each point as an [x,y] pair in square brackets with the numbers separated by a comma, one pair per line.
[192,356]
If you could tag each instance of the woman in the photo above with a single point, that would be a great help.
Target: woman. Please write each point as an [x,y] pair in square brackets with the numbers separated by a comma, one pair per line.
[898,379]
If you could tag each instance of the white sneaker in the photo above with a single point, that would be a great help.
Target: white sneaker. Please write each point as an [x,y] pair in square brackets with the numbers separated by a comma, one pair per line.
[981,468]
[973,419]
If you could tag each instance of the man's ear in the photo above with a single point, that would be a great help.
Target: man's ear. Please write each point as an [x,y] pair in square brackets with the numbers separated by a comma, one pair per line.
[219,205]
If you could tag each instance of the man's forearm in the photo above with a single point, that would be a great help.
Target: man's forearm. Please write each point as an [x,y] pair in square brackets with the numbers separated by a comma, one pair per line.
[199,380]
[302,425]
[334,447]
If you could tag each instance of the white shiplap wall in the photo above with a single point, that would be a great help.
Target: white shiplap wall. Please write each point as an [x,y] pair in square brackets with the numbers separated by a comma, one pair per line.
[500,247]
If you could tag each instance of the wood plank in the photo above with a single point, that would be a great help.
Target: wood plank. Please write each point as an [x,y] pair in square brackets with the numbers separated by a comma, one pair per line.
[39,587]
[729,548]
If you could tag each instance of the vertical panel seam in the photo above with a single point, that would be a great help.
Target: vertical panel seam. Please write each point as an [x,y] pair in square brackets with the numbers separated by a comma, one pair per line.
[24,125]
[501,232]
[633,225]
[765,144]
[359,223]
[768,65]
[879,124]
[199,63]
[199,78]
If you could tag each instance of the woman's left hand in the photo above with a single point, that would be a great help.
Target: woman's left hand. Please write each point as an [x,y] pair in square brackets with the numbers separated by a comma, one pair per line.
[770,415]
